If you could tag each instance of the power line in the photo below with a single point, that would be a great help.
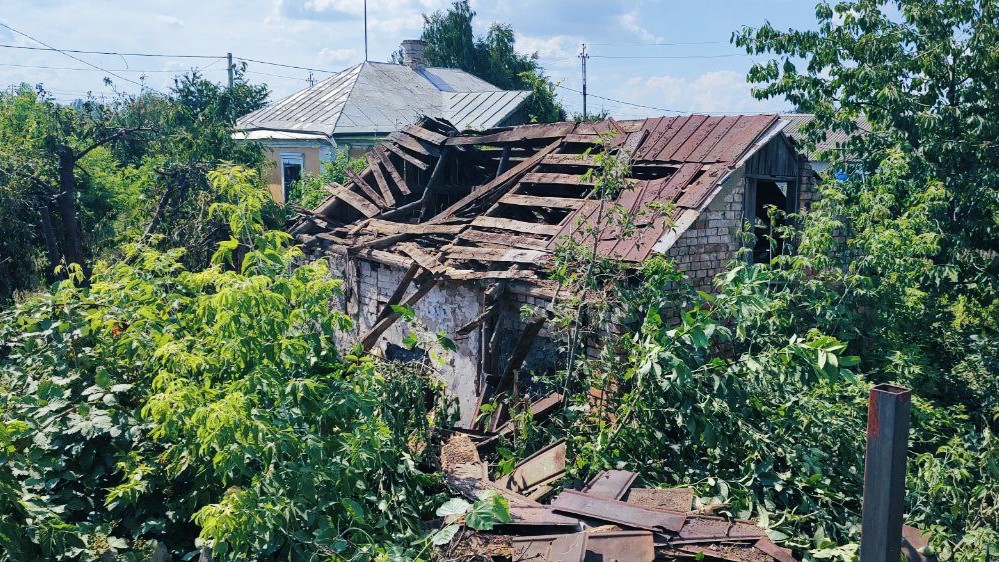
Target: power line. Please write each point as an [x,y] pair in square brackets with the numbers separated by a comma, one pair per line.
[287,65]
[78,59]
[95,70]
[624,102]
[83,52]
[669,57]
[278,76]
[660,44]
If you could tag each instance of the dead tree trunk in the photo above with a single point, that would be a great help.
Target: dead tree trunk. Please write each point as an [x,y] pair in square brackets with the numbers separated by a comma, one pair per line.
[66,199]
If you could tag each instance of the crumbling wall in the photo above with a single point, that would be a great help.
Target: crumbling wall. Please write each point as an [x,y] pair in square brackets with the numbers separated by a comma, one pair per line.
[367,287]
[714,239]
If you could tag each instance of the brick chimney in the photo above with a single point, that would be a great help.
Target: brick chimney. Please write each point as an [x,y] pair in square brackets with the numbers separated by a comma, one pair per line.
[412,54]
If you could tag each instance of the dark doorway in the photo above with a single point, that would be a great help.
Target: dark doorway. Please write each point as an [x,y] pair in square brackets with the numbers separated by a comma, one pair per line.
[768,241]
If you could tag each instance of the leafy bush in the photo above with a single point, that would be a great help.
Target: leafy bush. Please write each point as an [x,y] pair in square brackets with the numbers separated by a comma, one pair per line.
[166,404]
[310,191]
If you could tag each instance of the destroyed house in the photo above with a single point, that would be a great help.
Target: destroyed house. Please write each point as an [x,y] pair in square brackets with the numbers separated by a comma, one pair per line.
[461,228]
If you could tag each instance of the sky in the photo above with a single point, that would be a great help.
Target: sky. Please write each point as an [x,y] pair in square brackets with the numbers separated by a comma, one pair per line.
[653,57]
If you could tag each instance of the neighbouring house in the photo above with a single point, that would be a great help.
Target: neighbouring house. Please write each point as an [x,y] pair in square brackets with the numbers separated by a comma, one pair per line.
[462,227]
[354,109]
[833,150]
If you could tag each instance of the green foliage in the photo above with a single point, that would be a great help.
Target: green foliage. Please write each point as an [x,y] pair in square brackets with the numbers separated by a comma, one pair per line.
[162,403]
[139,167]
[451,42]
[310,191]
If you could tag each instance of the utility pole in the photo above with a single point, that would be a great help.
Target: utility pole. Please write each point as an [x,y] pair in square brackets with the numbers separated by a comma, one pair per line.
[583,57]
[365,30]
[230,68]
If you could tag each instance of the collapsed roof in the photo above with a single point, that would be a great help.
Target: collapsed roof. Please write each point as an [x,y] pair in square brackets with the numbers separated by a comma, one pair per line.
[495,204]
[382,97]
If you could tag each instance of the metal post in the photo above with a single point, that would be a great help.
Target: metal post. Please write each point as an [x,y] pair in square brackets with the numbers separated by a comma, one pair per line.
[230,68]
[884,473]
[582,57]
[365,30]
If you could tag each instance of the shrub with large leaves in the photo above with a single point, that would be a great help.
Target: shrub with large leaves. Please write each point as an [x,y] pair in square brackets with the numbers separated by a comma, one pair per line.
[165,404]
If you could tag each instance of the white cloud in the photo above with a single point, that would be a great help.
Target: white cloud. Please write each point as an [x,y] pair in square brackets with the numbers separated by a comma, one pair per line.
[630,22]
[711,92]
[333,56]
[554,46]
[172,21]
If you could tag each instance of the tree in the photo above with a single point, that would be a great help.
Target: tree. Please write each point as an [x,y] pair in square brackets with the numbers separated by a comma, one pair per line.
[451,42]
[78,182]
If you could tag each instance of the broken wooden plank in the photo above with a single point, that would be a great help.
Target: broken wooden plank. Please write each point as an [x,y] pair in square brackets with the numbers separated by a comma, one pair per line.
[425,134]
[389,227]
[365,187]
[386,163]
[611,484]
[482,317]
[369,339]
[414,144]
[429,262]
[541,468]
[406,156]
[556,179]
[400,290]
[504,161]
[516,134]
[670,499]
[535,201]
[471,275]
[516,226]
[502,183]
[583,159]
[356,201]
[496,255]
[578,503]
[382,183]
[503,239]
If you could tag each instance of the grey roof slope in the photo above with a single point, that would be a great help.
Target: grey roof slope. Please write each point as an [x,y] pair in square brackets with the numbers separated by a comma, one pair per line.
[834,139]
[383,97]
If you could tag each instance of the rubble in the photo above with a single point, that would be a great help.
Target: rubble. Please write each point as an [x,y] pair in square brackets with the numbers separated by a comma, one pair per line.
[607,520]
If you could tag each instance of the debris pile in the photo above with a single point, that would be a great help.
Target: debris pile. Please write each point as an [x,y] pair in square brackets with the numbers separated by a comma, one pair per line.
[607,520]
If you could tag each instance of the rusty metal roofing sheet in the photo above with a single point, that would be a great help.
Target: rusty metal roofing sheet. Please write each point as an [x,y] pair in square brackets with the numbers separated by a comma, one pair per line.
[578,503]
[611,484]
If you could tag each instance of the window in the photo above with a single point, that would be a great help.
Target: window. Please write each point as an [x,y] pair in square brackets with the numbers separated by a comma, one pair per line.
[291,170]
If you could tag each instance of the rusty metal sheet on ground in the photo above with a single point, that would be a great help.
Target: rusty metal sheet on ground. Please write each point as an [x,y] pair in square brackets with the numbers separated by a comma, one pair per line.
[549,548]
[539,516]
[578,503]
[611,484]
[716,528]
[630,546]
[670,499]
[914,544]
[730,552]
[768,547]
[538,469]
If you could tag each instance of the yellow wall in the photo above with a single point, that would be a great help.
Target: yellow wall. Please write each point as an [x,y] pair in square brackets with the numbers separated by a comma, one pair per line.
[272,174]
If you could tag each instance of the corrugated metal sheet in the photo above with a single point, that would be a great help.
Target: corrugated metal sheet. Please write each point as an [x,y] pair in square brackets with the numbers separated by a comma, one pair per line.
[381,98]
[833,140]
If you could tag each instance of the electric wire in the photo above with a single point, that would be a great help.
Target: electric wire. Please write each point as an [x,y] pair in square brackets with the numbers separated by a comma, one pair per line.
[78,59]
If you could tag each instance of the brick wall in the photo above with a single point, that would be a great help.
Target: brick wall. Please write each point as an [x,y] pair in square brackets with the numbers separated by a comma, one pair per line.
[709,244]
